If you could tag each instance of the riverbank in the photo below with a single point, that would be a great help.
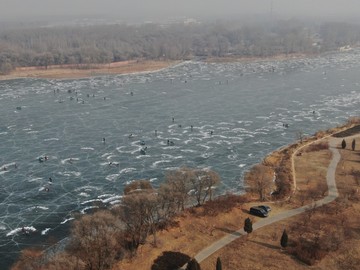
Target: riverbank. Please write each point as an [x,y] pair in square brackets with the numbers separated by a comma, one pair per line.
[85,71]
[201,226]
[204,225]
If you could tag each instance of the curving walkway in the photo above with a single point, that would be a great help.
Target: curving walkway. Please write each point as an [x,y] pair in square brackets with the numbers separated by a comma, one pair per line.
[332,195]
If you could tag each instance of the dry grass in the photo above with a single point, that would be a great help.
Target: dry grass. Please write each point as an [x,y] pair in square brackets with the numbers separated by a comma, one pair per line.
[311,168]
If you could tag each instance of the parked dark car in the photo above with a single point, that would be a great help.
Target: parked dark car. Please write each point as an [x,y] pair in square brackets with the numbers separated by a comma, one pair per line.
[265,207]
[257,211]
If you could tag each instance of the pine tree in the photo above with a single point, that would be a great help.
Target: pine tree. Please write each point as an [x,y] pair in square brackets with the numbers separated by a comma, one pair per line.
[353,145]
[284,239]
[343,144]
[218,264]
[248,225]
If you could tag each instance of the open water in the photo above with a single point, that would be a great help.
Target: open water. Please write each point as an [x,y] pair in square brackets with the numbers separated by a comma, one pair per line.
[237,112]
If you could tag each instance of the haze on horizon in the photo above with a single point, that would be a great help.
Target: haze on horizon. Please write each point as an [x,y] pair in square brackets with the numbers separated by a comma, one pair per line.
[142,10]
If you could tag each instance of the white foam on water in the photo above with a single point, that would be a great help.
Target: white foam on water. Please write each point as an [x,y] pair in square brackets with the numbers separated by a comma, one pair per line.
[69,160]
[156,163]
[83,194]
[38,207]
[112,177]
[18,230]
[44,232]
[3,133]
[105,195]
[88,208]
[171,168]
[207,155]
[127,170]
[170,147]
[91,201]
[70,173]
[87,188]
[105,155]
[2,228]
[113,198]
[205,146]
[51,139]
[188,141]
[262,117]
[241,165]
[262,142]
[153,179]
[87,148]
[223,128]
[37,179]
[226,123]
[66,220]
[115,202]
[232,157]
[188,150]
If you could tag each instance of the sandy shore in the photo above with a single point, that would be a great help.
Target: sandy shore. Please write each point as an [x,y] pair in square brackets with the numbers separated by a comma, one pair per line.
[76,71]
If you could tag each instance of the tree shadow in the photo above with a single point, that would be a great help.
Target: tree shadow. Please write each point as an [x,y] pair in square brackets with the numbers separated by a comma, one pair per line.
[265,244]
[170,260]
[228,231]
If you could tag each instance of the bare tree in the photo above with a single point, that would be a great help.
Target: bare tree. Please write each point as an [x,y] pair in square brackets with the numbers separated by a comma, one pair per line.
[203,181]
[141,212]
[260,180]
[300,136]
[97,240]
[178,185]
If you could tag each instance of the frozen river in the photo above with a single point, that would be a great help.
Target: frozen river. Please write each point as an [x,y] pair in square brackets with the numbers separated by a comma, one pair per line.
[54,162]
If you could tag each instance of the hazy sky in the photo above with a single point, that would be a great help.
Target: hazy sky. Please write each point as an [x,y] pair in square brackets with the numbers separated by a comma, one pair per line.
[124,9]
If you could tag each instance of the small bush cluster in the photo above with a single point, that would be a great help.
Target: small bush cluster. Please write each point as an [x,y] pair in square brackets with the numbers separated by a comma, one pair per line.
[222,204]
[315,147]
[308,251]
[320,231]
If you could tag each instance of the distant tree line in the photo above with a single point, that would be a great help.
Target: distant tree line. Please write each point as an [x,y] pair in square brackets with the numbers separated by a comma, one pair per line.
[98,44]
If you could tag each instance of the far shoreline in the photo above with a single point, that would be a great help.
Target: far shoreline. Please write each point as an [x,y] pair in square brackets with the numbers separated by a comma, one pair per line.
[64,72]
[80,71]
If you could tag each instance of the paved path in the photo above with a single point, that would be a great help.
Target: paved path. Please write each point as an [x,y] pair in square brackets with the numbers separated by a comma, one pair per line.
[332,195]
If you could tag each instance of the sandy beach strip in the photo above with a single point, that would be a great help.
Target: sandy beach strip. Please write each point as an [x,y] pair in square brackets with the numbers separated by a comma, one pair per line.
[93,70]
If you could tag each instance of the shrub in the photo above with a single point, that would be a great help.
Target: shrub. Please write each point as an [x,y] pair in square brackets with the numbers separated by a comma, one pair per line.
[218,264]
[307,251]
[318,147]
[248,226]
[343,144]
[223,204]
[284,239]
[193,265]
